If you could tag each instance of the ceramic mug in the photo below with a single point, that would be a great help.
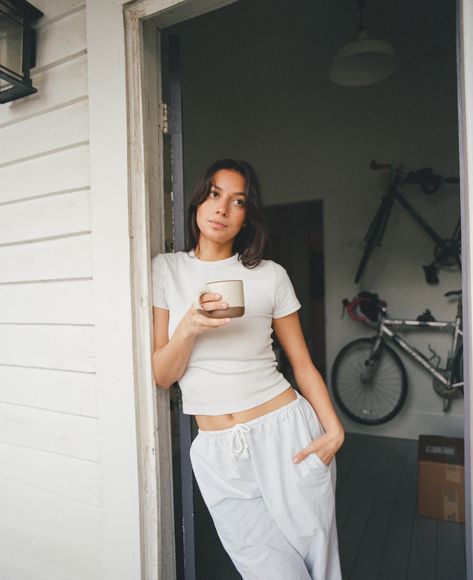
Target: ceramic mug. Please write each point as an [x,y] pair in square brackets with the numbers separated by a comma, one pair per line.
[231,292]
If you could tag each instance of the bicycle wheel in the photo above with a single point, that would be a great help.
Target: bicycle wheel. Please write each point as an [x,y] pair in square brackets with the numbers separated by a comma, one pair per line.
[369,394]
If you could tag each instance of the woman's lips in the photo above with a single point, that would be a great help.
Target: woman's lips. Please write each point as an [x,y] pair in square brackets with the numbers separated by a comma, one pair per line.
[217,225]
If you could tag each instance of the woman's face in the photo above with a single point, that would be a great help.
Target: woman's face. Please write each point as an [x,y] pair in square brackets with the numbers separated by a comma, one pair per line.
[221,216]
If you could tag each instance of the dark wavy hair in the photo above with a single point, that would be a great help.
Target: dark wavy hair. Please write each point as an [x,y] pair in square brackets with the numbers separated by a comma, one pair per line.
[252,241]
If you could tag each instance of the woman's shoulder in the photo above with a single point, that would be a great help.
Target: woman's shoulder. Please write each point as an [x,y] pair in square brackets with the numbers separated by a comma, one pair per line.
[276,272]
[270,270]
[271,265]
[170,259]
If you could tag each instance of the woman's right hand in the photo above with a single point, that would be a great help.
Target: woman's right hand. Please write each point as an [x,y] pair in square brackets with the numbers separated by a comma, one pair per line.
[196,323]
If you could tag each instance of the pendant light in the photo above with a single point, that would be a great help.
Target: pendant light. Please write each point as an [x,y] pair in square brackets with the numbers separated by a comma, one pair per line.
[363,61]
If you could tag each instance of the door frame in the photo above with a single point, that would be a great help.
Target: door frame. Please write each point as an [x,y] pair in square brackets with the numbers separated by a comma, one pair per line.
[124,65]
[465,129]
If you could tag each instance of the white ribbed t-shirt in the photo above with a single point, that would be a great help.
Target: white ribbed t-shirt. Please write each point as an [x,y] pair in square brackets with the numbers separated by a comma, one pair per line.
[233,367]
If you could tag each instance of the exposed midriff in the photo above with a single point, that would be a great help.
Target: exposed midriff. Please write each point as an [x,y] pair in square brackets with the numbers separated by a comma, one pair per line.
[217,422]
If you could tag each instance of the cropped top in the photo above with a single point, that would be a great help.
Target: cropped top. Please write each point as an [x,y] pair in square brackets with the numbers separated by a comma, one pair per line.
[231,368]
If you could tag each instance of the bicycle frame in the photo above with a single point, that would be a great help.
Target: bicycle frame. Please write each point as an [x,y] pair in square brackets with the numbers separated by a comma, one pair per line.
[384,329]
[394,193]
[415,215]
[445,250]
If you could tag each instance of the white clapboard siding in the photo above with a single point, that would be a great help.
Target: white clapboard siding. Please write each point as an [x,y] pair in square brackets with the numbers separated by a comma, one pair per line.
[61,347]
[65,301]
[61,475]
[30,506]
[52,556]
[56,8]
[56,86]
[57,259]
[18,571]
[51,504]
[58,172]
[70,435]
[57,129]
[45,217]
[68,392]
[60,39]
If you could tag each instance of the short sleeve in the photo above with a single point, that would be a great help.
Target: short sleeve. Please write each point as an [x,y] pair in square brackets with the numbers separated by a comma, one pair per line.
[158,275]
[285,299]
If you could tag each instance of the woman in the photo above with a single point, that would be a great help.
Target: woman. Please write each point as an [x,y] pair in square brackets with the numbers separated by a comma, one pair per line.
[264,454]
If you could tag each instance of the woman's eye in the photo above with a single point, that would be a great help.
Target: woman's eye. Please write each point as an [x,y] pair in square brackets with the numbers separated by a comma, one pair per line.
[215,194]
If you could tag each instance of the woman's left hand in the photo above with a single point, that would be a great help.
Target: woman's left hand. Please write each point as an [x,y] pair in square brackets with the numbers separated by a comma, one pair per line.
[325,446]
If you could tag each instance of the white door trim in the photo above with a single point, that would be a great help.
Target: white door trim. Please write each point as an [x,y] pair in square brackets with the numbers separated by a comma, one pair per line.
[146,195]
[465,124]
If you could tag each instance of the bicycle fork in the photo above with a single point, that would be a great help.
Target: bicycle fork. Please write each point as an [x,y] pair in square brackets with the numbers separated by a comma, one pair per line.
[367,371]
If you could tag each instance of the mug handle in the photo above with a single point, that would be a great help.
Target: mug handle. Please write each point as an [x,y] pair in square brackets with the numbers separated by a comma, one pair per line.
[196,301]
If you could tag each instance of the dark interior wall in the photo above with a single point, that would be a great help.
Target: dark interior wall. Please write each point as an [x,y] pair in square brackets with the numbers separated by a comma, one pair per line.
[255,86]
[255,77]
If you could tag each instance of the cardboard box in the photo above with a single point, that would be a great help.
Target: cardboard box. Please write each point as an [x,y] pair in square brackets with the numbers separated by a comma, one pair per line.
[441,477]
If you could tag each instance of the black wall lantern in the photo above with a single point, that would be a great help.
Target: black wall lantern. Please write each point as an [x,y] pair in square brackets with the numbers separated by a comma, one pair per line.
[17,49]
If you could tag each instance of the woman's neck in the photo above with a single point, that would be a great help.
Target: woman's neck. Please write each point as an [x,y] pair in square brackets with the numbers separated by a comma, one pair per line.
[212,253]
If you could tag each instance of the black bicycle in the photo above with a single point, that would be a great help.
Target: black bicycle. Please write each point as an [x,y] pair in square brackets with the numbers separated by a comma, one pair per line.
[369,379]
[447,251]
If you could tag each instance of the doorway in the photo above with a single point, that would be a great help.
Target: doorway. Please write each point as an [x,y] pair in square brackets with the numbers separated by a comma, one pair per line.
[303,258]
[349,191]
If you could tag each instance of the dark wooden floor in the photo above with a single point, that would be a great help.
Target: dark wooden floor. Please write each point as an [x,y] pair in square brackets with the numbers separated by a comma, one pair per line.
[380,535]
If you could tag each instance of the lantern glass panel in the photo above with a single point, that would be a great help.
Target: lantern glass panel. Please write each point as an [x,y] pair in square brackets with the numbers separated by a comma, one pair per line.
[4,85]
[11,42]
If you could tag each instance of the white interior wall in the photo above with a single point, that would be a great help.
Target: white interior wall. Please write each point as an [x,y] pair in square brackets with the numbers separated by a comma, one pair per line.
[255,86]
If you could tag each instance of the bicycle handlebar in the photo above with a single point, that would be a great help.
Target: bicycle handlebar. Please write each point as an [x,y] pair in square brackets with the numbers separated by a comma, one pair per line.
[375,165]
[364,307]
[424,177]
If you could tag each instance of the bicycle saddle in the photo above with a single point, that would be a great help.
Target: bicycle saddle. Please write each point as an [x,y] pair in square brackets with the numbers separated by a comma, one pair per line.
[453,293]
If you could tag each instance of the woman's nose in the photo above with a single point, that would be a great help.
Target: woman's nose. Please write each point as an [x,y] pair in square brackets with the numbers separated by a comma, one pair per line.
[222,208]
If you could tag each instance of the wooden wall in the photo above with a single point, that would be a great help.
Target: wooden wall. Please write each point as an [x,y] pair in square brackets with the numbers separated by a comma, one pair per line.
[50,491]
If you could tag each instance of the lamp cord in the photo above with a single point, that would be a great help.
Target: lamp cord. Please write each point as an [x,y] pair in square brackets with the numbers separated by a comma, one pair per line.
[361,6]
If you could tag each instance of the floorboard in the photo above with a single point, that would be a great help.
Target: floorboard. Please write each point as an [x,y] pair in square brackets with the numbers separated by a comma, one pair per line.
[395,559]
[450,554]
[371,547]
[422,556]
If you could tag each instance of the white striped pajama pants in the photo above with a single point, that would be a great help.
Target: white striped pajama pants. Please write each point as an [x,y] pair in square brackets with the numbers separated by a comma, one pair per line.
[275,518]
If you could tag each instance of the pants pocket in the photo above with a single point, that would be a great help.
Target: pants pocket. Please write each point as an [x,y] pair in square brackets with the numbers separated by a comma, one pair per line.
[315,429]
[318,462]
[313,420]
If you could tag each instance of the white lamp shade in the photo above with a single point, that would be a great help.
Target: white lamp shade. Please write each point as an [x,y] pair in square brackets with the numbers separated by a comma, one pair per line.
[363,62]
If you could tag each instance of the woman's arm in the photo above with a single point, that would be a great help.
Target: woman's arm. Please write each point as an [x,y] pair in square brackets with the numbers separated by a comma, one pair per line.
[312,386]
[170,357]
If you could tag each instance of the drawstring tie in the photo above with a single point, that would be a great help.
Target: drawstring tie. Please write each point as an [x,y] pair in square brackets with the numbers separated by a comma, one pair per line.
[238,437]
